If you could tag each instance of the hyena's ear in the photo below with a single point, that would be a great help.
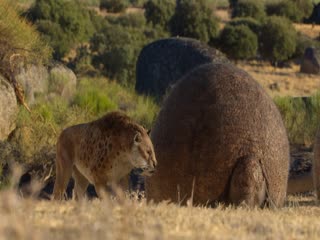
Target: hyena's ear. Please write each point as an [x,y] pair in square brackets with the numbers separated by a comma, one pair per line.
[137,138]
[148,132]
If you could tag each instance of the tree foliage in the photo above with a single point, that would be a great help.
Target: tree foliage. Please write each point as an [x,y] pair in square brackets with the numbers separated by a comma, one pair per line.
[64,23]
[194,19]
[278,39]
[114,6]
[295,10]
[159,12]
[249,8]
[239,42]
[252,23]
[117,47]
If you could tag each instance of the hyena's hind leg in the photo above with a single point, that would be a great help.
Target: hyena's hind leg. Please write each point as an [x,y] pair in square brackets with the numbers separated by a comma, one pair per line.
[80,184]
[64,166]
[247,184]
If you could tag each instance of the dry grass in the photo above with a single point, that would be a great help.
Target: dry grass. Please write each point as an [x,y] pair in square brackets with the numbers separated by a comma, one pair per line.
[312,31]
[28,219]
[223,15]
[289,81]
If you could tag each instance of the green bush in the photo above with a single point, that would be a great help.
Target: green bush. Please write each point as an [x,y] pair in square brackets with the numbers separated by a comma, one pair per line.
[117,48]
[278,39]
[82,63]
[99,96]
[301,117]
[20,43]
[194,19]
[292,9]
[114,6]
[249,8]
[64,23]
[134,20]
[59,40]
[159,12]
[239,42]
[252,23]
[93,99]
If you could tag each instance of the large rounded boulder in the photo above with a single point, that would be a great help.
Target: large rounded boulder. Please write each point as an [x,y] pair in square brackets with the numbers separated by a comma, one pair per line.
[219,138]
[8,108]
[163,62]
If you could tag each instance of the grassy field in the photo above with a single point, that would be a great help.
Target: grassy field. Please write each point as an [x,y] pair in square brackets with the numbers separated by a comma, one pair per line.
[130,219]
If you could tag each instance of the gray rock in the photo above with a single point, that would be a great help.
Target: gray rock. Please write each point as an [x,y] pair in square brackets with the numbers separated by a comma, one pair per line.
[8,108]
[163,62]
[311,61]
[34,80]
[62,81]
[47,82]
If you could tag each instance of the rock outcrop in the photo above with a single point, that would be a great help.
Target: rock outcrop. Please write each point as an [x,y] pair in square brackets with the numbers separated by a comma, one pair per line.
[163,62]
[46,82]
[8,108]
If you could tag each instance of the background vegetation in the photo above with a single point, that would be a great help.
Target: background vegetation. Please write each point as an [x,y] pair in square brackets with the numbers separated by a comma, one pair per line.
[301,117]
[101,41]
[101,46]
[20,43]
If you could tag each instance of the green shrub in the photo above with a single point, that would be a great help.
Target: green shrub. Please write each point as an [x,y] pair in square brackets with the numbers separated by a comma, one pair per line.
[249,8]
[82,63]
[194,19]
[94,100]
[99,96]
[117,48]
[20,43]
[135,20]
[301,117]
[239,42]
[292,9]
[278,39]
[58,39]
[114,6]
[252,23]
[306,6]
[64,23]
[159,12]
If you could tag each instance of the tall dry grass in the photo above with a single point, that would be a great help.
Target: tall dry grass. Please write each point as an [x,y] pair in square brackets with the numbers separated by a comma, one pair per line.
[131,219]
